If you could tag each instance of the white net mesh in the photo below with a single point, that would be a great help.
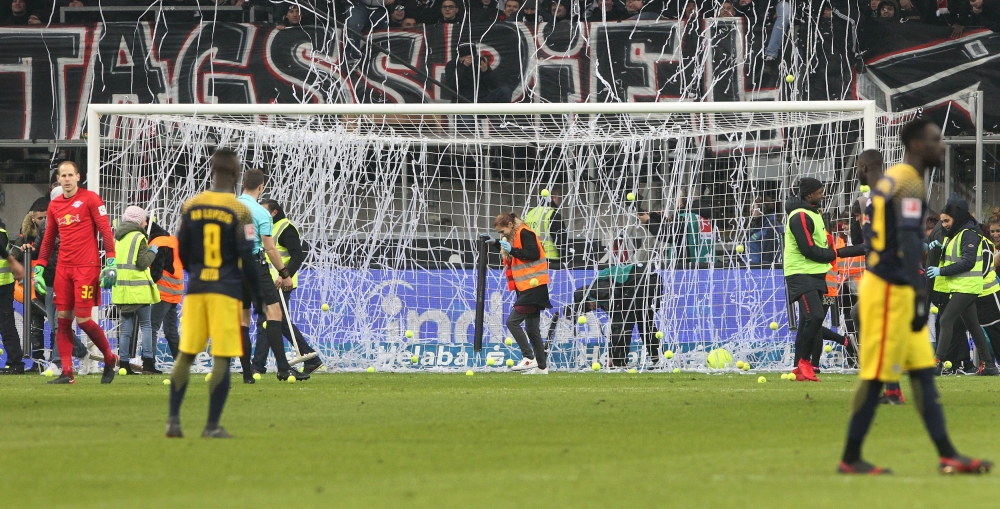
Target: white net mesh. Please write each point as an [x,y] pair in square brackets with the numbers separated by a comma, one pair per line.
[391,207]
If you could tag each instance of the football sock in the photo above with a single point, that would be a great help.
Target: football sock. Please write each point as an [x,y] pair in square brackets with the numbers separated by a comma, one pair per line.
[925,397]
[277,344]
[247,349]
[64,342]
[866,400]
[179,382]
[218,390]
[892,386]
[96,334]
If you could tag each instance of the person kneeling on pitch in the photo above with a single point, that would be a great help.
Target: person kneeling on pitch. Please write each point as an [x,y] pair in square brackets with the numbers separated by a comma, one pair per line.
[527,271]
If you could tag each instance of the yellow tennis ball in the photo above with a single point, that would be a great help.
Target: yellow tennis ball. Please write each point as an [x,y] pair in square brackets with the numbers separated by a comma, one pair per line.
[632,370]
[947,364]
[774,325]
[48,373]
[677,370]
[208,377]
[509,341]
[409,334]
[630,196]
[510,362]
[668,354]
[414,359]
[545,193]
[827,348]
[865,189]
[470,373]
[595,366]
[739,364]
[659,334]
[256,376]
[740,249]
[325,307]
[533,282]
[291,379]
[264,325]
[166,381]
[789,78]
[122,372]
[371,369]
[746,366]
[491,361]
[761,380]
[791,377]
[582,320]
[934,310]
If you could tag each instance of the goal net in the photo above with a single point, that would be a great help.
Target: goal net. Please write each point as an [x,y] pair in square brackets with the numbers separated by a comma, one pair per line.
[390,202]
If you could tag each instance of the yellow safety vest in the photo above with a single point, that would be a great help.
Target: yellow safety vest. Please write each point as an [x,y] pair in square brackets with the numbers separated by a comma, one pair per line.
[970,281]
[279,228]
[6,272]
[133,286]
[539,219]
[795,262]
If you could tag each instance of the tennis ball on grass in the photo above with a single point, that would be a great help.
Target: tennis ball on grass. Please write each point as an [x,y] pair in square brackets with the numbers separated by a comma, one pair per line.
[121,371]
[595,366]
[256,376]
[325,307]
[947,364]
[48,373]
[761,380]
[632,370]
[677,370]
[746,366]
[414,359]
[470,373]
[739,364]
[208,377]
[740,249]
[509,341]
[371,369]
[668,354]
[789,78]
[491,361]
[827,348]
[582,320]
[630,196]
[510,362]
[291,379]
[545,193]
[774,325]
[166,381]
[784,376]
[409,334]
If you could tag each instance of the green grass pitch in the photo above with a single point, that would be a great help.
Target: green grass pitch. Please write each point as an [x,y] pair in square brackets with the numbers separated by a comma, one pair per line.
[491,440]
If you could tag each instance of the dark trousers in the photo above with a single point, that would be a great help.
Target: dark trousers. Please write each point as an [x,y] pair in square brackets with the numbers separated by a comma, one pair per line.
[165,314]
[530,342]
[261,351]
[962,306]
[8,328]
[639,312]
[811,315]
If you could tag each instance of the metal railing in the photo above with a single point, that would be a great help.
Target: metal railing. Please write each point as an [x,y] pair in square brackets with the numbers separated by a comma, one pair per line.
[211,12]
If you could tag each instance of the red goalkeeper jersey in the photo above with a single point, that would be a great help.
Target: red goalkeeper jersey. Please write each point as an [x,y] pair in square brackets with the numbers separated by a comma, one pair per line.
[77,221]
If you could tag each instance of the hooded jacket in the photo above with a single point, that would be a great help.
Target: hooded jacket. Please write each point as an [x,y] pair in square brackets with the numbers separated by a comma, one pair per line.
[146,256]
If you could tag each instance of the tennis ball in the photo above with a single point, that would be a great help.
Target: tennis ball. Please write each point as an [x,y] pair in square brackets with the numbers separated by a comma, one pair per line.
[947,364]
[791,377]
[582,320]
[934,310]
[409,334]
[668,354]
[264,325]
[371,369]
[48,373]
[491,361]
[740,249]
[533,282]
[510,362]
[509,341]
[470,373]
[208,377]
[291,379]
[630,196]
[774,325]
[545,193]
[789,78]
[827,348]
[719,358]
[677,370]
[325,307]
[256,376]
[595,366]
[784,376]
[761,379]
[746,366]
[659,334]
[166,381]
[1,351]
[632,370]
[121,371]
[739,364]
[865,189]
[414,359]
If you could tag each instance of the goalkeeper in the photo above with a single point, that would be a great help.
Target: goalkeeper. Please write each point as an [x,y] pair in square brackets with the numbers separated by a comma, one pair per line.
[75,217]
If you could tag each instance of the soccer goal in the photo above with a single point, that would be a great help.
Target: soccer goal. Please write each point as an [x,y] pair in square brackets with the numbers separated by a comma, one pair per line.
[391,200]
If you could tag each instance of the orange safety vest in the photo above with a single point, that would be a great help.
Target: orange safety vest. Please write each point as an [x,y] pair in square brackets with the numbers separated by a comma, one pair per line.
[850,269]
[171,284]
[521,273]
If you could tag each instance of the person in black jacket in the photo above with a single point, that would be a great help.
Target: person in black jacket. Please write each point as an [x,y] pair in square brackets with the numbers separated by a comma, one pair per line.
[8,329]
[474,81]
[286,238]
[485,11]
[527,275]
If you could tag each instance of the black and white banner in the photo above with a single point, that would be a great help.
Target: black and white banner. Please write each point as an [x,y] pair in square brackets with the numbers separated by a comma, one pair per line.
[48,75]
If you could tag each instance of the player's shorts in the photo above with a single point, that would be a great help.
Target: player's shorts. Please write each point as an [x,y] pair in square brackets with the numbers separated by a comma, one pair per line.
[215,316]
[77,288]
[888,346]
[267,293]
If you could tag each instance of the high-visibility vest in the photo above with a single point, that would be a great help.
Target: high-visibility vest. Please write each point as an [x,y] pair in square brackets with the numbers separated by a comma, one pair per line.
[970,281]
[850,269]
[795,262]
[134,286]
[171,284]
[520,273]
[539,219]
[990,283]
[6,272]
[279,228]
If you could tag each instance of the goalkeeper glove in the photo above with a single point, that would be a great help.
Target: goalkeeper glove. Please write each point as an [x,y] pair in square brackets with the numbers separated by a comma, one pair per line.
[40,280]
[109,276]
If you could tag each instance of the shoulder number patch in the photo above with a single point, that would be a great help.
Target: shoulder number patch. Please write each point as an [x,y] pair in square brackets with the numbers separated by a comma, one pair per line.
[102,210]
[912,208]
[249,232]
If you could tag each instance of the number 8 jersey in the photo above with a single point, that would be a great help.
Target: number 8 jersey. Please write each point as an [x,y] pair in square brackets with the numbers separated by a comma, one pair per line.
[897,204]
[216,233]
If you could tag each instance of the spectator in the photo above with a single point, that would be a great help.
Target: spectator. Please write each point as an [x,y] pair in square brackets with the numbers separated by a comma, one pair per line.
[985,13]
[764,246]
[528,14]
[558,11]
[953,13]
[423,11]
[477,83]
[449,13]
[20,15]
[408,23]
[485,11]
[782,22]
[510,9]
[362,16]
[873,9]
[639,9]
[726,10]
[931,223]
[293,18]
[397,16]
[907,10]
[606,10]
[887,9]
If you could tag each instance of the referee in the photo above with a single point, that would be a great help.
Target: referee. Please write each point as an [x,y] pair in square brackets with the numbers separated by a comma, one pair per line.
[267,298]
